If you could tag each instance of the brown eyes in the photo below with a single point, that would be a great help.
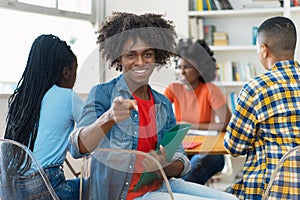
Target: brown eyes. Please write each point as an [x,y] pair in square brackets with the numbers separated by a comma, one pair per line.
[132,55]
[180,67]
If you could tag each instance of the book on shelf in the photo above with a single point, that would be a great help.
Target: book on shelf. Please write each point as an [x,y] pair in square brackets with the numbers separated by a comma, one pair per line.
[231,100]
[199,4]
[222,4]
[196,5]
[196,29]
[236,76]
[295,3]
[208,33]
[230,71]
[205,6]
[212,5]
[220,38]
[192,5]
[227,4]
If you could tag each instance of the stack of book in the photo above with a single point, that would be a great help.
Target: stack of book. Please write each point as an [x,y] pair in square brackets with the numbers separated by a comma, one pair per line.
[201,5]
[220,38]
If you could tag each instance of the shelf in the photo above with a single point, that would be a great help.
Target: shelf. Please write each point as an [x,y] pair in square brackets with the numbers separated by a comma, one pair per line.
[234,48]
[245,12]
[295,9]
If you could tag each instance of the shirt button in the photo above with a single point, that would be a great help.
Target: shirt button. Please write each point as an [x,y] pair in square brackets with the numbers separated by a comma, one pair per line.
[135,133]
[135,115]
[126,183]
[130,166]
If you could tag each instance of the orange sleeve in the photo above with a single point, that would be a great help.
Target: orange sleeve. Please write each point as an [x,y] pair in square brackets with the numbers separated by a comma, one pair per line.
[169,94]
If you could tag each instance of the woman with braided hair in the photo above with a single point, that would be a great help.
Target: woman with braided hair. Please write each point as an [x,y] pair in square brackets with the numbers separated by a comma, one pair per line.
[42,113]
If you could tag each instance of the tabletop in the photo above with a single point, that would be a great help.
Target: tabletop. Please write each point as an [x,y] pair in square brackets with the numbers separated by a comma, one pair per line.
[209,144]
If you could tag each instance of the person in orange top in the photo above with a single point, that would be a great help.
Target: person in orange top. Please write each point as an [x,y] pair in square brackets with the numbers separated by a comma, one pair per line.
[198,101]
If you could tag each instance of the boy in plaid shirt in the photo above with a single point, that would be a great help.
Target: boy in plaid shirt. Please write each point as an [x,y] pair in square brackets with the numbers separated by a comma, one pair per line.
[266,122]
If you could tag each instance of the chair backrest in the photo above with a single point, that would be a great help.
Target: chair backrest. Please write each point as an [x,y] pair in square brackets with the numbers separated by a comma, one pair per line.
[285,180]
[15,184]
[114,159]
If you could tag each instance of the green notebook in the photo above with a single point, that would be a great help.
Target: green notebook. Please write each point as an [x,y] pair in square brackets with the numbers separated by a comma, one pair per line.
[170,142]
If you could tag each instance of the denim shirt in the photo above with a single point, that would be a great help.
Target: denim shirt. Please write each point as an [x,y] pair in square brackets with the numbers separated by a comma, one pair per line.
[110,173]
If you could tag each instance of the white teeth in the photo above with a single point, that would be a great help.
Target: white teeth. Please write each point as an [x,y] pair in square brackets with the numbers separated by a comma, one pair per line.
[140,71]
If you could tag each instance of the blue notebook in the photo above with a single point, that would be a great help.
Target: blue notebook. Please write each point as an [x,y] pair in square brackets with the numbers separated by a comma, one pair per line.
[170,142]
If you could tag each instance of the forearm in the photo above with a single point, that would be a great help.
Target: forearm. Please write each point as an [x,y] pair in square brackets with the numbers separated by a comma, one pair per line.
[91,135]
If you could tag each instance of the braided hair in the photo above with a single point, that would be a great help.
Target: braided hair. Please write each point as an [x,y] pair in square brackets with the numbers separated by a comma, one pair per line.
[152,28]
[47,58]
[200,53]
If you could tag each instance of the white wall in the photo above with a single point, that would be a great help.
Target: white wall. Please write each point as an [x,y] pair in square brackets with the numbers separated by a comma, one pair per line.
[175,10]
[3,112]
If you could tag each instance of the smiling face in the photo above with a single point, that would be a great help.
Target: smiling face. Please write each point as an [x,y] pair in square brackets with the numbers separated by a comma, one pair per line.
[187,73]
[137,61]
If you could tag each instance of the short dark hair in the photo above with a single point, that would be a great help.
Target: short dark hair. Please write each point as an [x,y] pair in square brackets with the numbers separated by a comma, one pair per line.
[200,53]
[153,29]
[279,34]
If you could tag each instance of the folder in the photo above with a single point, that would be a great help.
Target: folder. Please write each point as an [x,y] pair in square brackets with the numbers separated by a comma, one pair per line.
[171,141]
[190,145]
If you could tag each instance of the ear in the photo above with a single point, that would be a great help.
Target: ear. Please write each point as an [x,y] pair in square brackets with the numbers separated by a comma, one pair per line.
[264,51]
[66,72]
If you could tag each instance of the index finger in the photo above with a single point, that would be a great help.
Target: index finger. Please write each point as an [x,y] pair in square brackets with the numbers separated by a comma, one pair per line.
[134,105]
[162,150]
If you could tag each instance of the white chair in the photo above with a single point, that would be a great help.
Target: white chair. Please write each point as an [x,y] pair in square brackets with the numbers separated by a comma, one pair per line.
[114,159]
[11,173]
[285,180]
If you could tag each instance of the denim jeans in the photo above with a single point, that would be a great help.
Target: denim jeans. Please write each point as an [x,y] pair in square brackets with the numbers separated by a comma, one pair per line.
[188,191]
[204,167]
[33,187]
[64,189]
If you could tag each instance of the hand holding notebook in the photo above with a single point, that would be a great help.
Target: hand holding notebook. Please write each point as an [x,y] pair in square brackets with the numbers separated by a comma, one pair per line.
[170,142]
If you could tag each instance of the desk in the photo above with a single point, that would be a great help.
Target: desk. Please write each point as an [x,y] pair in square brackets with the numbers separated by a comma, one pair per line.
[210,144]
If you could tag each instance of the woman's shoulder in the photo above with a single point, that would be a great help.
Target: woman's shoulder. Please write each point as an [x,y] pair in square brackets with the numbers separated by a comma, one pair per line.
[175,87]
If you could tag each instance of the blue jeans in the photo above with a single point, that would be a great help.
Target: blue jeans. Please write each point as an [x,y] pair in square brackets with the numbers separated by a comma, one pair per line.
[204,167]
[32,186]
[64,189]
[188,191]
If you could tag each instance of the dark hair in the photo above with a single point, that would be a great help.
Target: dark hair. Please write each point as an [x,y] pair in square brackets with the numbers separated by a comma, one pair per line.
[151,28]
[279,34]
[48,57]
[200,53]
